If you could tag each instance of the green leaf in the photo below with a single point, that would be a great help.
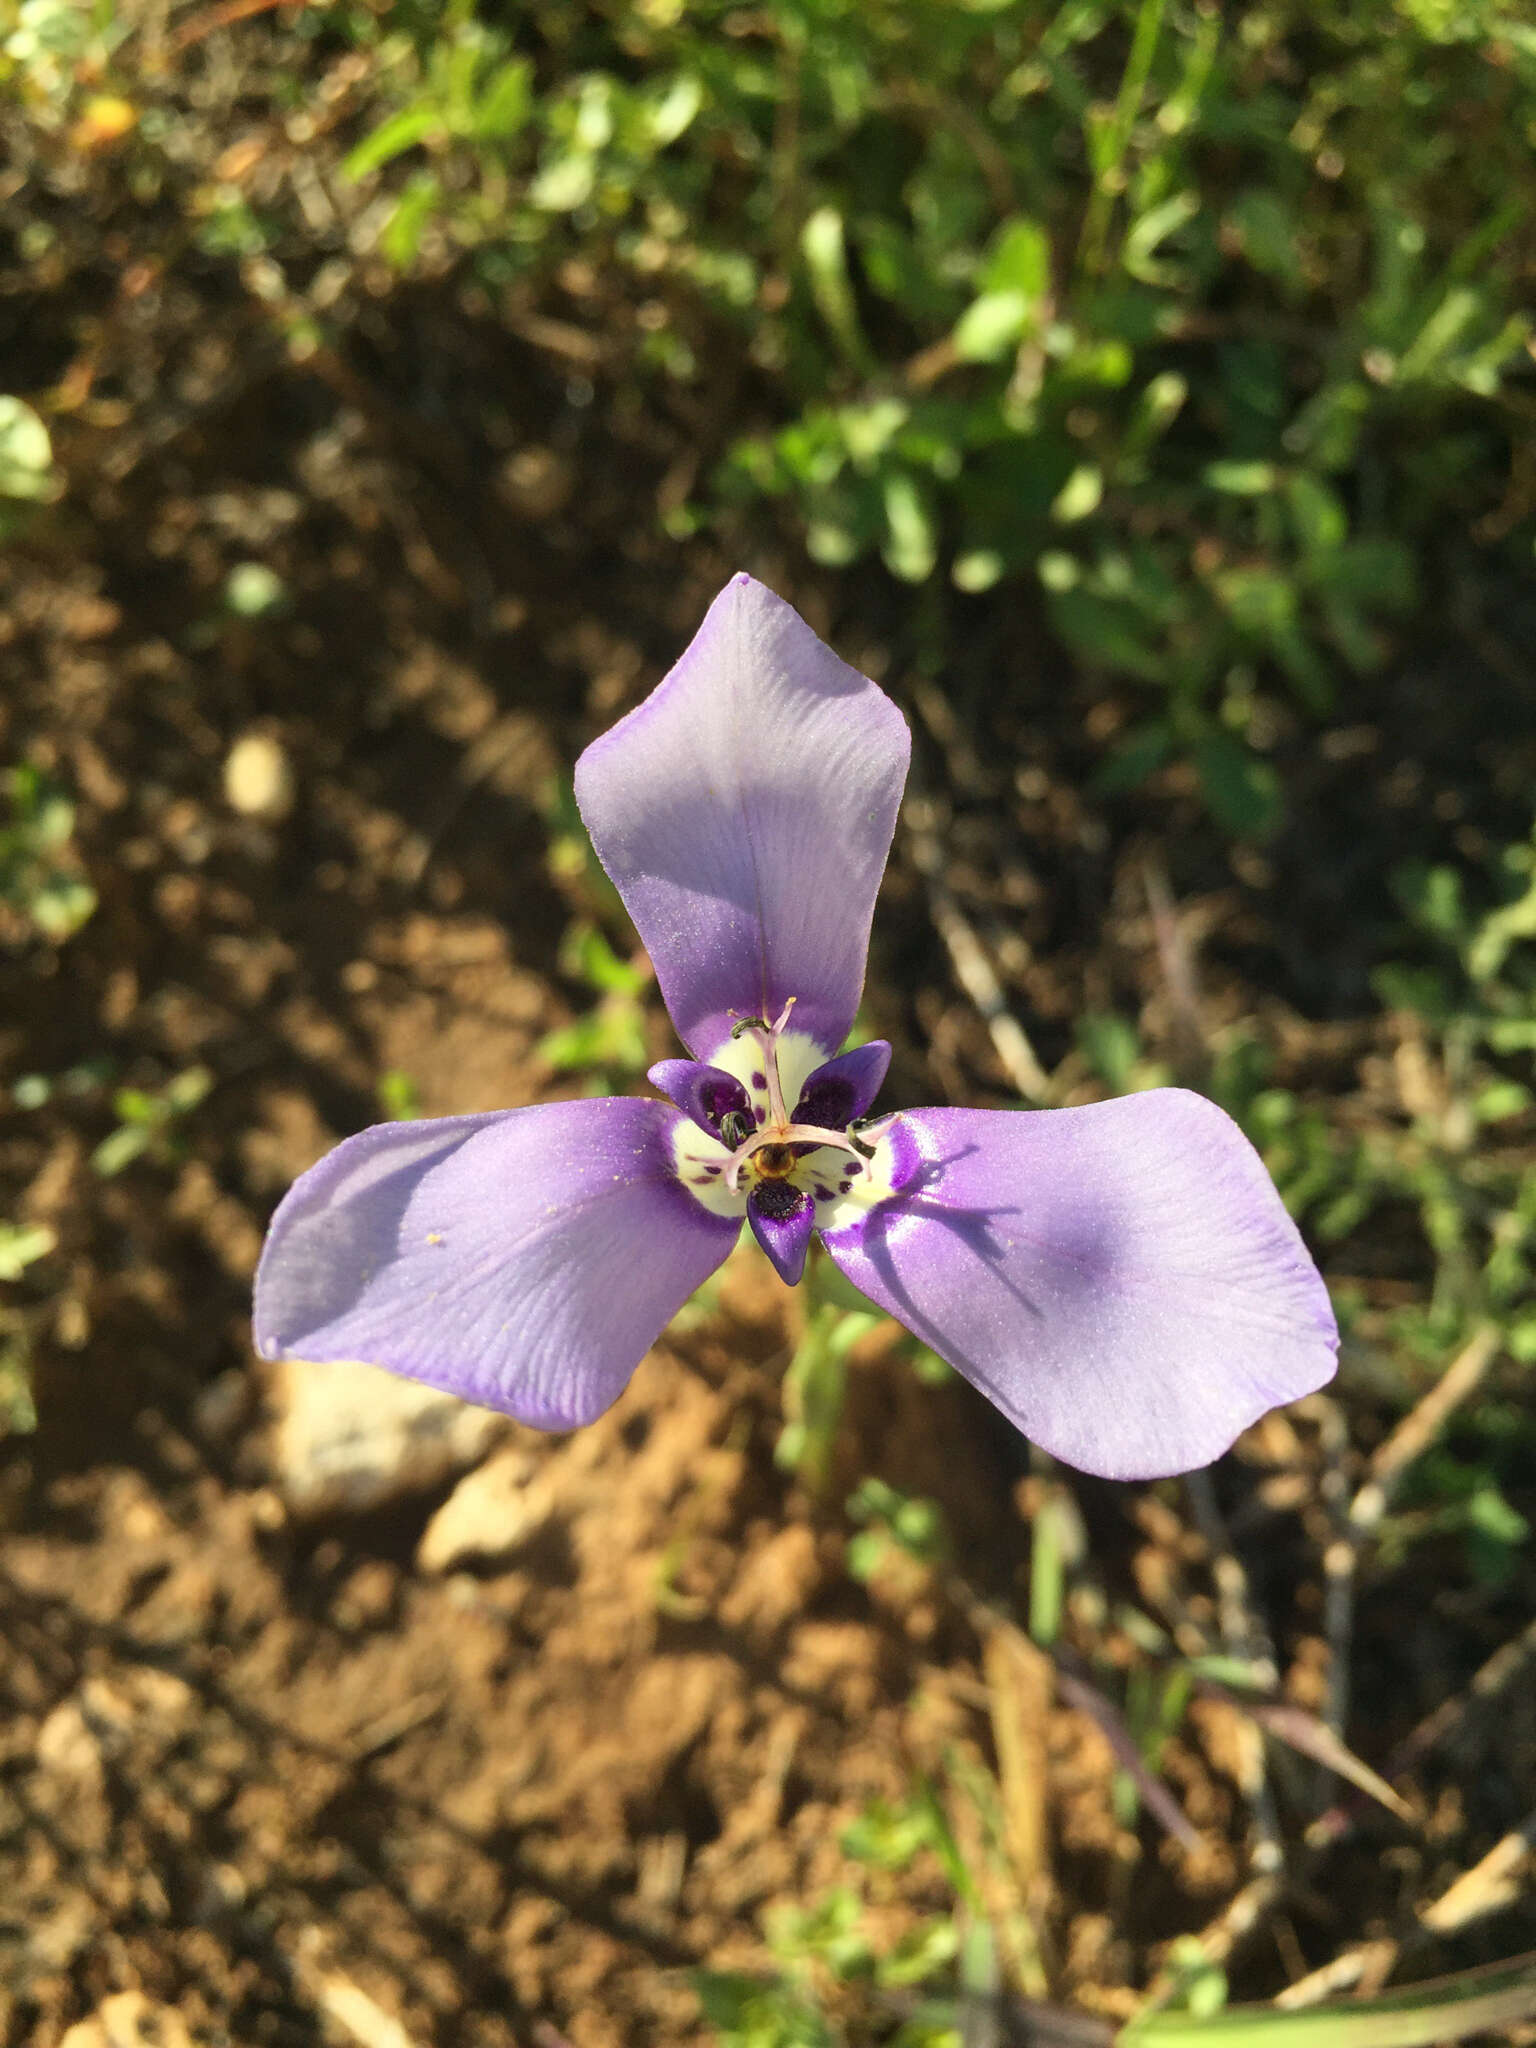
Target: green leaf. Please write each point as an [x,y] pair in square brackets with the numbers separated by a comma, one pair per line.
[1258,601]
[868,430]
[1427,355]
[124,1145]
[911,545]
[1242,791]
[505,103]
[26,453]
[919,1955]
[991,326]
[21,1245]
[1019,261]
[826,259]
[1148,234]
[1104,633]
[978,569]
[1491,1515]
[400,237]
[402,131]
[1112,1046]
[1157,407]
[252,589]
[1317,512]
[1267,230]
[1242,479]
[186,1090]
[59,906]
[1423,991]
[1080,495]
[1379,573]
[398,1096]
[672,114]
[888,1837]
[564,182]
[1139,754]
[1500,1100]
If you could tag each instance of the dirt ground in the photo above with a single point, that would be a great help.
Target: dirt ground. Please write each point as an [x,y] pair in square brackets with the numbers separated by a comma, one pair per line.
[261,1767]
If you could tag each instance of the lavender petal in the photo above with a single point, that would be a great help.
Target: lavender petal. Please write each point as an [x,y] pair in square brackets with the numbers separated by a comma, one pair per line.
[526,1259]
[1122,1280]
[745,811]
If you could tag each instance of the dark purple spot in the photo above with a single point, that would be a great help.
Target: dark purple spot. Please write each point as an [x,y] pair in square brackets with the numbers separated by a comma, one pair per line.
[823,1194]
[779,1199]
[843,1186]
[717,1098]
[853,1169]
[711,1171]
[762,1117]
[759,1080]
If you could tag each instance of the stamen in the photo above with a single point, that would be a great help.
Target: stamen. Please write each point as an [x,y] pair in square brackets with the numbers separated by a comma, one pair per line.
[778,1114]
[772,1142]
[791,1134]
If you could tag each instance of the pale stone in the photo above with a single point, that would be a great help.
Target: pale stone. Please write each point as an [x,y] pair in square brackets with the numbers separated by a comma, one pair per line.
[258,781]
[491,1513]
[130,2020]
[352,1437]
[102,1718]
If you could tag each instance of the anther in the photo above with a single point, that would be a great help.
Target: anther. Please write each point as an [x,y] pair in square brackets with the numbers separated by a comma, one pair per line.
[735,1128]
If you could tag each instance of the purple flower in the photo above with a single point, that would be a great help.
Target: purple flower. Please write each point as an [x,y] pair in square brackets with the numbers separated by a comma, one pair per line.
[1121,1280]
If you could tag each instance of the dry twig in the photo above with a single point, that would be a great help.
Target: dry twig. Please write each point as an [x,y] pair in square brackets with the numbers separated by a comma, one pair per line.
[1359,1522]
[1495,1881]
[973,970]
[1244,1635]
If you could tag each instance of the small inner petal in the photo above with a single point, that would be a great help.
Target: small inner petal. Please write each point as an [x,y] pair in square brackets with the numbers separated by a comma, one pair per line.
[843,1088]
[705,1093]
[782,1218]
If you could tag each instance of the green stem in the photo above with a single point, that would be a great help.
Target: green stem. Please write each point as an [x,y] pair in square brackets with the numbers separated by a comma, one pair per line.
[1107,181]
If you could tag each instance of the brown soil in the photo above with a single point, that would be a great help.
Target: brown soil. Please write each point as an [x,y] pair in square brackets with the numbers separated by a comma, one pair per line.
[254,1768]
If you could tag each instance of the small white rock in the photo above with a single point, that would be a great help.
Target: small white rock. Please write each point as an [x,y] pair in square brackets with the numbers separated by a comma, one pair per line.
[351,1437]
[67,1744]
[489,1514]
[130,2020]
[258,780]
[222,1406]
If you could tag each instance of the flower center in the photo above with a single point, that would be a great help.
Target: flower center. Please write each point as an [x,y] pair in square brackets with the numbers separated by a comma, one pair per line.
[779,1135]
[774,1161]
[775,1150]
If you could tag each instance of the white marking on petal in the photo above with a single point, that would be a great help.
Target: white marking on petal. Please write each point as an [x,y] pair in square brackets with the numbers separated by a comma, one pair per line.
[695,1153]
[857,1193]
[799,1057]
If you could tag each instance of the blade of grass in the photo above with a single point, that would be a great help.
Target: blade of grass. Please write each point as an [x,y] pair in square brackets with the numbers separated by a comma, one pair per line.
[1155,1796]
[1444,2009]
[1311,1737]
